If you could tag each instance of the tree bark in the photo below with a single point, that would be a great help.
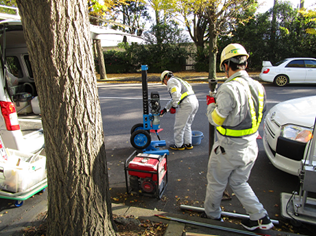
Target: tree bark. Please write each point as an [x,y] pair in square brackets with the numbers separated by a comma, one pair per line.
[212,50]
[59,45]
[273,30]
[101,59]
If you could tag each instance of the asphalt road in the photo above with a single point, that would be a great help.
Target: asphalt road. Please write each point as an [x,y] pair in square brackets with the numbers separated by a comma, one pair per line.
[121,106]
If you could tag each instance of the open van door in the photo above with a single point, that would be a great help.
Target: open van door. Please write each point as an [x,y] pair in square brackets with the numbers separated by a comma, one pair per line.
[17,88]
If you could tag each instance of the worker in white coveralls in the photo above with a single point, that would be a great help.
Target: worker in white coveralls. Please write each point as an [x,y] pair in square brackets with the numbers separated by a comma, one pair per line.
[236,111]
[184,105]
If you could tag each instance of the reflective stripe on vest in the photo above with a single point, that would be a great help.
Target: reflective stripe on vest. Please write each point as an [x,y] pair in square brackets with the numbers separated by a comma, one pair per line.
[188,88]
[255,123]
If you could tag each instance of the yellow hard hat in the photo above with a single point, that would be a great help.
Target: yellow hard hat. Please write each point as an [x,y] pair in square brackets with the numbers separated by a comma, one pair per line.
[163,74]
[232,50]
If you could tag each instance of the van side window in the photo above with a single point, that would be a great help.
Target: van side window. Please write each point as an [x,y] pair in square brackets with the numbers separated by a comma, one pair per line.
[28,65]
[14,66]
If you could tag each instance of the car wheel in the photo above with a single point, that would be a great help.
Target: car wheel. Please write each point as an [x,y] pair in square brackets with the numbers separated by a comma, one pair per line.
[281,80]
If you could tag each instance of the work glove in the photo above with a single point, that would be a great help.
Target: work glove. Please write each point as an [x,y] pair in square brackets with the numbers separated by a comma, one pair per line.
[163,111]
[172,110]
[209,99]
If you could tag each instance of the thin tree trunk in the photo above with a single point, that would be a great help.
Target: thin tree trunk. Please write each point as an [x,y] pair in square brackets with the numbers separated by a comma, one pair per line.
[212,51]
[101,60]
[273,30]
[59,45]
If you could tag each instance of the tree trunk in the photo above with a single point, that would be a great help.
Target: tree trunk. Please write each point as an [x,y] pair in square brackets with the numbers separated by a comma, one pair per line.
[101,59]
[59,44]
[273,30]
[212,50]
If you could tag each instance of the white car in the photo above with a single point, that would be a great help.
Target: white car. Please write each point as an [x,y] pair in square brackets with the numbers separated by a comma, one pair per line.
[290,70]
[287,128]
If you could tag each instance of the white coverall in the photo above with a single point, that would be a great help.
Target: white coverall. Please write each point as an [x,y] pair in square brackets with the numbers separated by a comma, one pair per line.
[185,112]
[232,158]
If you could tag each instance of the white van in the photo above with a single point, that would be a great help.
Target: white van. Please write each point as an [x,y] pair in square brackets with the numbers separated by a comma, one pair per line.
[17,89]
[18,94]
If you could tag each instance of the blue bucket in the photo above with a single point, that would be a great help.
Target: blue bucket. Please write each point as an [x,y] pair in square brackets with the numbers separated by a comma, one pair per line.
[197,137]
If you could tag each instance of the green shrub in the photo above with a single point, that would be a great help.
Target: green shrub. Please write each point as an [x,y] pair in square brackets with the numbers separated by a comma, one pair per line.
[201,67]
[157,57]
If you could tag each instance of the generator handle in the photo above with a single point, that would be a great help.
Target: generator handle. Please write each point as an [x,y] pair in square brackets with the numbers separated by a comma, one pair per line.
[125,170]
[127,160]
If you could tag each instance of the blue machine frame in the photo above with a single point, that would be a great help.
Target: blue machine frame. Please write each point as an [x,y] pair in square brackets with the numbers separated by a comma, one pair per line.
[148,124]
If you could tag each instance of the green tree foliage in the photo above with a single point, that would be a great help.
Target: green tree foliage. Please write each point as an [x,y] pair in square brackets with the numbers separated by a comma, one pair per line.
[10,3]
[165,25]
[290,37]
[310,17]
[134,14]
[197,26]
[157,57]
[221,17]
[195,22]
[167,32]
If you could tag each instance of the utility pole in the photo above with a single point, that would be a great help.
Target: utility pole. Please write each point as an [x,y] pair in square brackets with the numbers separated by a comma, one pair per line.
[212,83]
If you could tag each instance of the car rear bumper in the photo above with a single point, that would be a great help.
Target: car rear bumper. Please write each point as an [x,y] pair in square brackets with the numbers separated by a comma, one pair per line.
[266,77]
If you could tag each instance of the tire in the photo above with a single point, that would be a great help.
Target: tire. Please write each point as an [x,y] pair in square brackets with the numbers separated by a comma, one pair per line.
[42,191]
[18,203]
[281,80]
[140,139]
[138,127]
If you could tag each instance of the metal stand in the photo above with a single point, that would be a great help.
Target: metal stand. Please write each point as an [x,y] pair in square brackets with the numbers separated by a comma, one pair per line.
[152,148]
[299,206]
[140,133]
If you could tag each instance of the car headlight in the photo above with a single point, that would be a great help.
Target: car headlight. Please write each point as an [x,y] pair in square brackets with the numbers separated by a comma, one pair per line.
[297,133]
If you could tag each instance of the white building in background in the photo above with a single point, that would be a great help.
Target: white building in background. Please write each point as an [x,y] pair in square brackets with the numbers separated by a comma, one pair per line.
[111,38]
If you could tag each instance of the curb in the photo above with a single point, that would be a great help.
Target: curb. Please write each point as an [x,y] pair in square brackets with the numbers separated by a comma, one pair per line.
[174,228]
[179,228]
[154,79]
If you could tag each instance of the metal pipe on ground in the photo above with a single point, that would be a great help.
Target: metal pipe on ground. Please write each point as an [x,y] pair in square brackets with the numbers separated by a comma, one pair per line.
[237,231]
[224,213]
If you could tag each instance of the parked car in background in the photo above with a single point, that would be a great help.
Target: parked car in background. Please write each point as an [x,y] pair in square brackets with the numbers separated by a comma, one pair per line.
[287,128]
[290,70]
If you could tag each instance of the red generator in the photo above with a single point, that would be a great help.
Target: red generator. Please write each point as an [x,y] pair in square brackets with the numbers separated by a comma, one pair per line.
[147,174]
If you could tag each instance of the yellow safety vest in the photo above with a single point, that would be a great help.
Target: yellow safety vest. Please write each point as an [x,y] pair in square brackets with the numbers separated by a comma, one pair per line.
[188,88]
[255,121]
